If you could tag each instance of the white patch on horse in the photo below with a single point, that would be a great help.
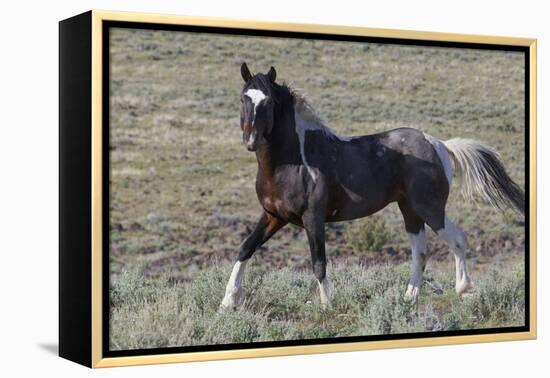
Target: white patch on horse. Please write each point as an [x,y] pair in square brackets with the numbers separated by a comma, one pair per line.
[256,96]
[251,138]
[418,251]
[443,154]
[307,118]
[302,125]
[324,292]
[345,138]
[233,291]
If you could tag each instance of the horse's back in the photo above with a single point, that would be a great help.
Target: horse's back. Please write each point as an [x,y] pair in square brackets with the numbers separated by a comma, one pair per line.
[389,150]
[373,170]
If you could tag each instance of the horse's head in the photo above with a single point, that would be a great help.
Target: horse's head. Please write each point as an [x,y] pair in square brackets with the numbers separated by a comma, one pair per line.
[257,106]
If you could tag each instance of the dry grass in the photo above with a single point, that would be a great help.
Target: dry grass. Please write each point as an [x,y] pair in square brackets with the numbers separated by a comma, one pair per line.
[284,305]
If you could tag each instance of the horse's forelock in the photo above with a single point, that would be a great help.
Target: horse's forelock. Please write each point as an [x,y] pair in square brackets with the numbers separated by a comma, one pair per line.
[260,82]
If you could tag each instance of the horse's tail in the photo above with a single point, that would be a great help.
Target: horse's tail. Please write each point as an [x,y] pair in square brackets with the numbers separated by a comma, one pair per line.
[482,174]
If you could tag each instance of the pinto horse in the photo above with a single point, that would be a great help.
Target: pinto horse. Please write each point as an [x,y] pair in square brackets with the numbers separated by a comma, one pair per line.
[308,175]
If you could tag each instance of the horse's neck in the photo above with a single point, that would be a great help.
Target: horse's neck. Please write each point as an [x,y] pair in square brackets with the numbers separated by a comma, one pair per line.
[283,146]
[266,160]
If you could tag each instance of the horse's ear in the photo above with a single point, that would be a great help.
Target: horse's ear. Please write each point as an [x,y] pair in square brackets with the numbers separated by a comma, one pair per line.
[272,74]
[245,72]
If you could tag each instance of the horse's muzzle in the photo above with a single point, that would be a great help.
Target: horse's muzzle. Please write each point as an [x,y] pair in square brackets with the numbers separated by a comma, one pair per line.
[252,142]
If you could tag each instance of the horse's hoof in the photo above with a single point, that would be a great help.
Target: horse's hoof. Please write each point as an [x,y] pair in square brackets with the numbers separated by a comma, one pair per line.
[464,289]
[411,295]
[227,307]
[468,294]
[232,300]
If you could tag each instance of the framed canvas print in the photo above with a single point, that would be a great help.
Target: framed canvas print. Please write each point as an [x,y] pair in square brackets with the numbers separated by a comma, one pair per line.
[235,189]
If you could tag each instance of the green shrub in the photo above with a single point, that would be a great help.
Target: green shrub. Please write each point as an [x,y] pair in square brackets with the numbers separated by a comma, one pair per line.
[281,293]
[386,310]
[368,234]
[276,331]
[498,299]
[205,293]
[238,326]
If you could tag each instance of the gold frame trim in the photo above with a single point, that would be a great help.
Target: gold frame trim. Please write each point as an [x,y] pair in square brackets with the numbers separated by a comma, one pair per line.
[97,19]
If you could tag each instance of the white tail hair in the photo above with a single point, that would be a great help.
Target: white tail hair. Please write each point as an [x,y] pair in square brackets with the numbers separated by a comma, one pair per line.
[482,174]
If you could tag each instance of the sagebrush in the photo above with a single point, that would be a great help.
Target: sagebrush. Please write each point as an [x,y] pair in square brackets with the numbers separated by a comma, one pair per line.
[283,304]
[369,234]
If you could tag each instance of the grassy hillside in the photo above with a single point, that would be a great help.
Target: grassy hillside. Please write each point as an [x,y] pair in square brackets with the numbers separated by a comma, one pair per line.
[182,184]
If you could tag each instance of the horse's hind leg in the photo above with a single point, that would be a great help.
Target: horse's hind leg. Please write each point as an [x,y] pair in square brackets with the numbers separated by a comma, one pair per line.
[417,238]
[456,239]
[435,217]
[265,228]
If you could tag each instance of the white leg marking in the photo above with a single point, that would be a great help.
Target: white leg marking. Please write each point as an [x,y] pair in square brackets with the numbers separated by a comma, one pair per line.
[443,154]
[325,292]
[457,242]
[234,295]
[418,249]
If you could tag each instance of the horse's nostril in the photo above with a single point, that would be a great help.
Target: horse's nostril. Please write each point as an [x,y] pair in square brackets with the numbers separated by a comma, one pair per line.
[251,141]
[250,146]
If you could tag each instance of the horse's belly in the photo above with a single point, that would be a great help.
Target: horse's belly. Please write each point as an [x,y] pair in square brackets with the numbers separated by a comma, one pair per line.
[351,203]
[354,212]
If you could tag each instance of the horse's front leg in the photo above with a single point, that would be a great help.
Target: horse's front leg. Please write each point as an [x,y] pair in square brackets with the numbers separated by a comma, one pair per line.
[314,225]
[265,228]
